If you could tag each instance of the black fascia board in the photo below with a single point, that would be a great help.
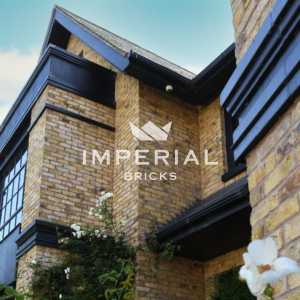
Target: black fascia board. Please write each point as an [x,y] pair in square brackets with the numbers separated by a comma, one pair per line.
[110,54]
[193,91]
[237,198]
[40,233]
[65,70]
[267,80]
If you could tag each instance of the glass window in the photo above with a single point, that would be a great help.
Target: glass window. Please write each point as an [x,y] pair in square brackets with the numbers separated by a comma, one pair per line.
[11,192]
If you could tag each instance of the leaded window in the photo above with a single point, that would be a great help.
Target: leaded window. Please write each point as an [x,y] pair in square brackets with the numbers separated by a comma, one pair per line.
[12,192]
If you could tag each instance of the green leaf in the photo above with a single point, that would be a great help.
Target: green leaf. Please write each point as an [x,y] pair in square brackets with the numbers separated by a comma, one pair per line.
[125,296]
[132,295]
[21,297]
[9,290]
[1,286]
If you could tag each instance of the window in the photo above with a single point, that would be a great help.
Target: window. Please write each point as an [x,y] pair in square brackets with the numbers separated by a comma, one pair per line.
[12,191]
[234,168]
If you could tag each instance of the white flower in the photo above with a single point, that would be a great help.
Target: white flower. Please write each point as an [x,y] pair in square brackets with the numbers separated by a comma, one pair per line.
[76,227]
[60,296]
[263,267]
[79,233]
[104,236]
[68,276]
[74,233]
[123,223]
[108,195]
[67,270]
[33,262]
[100,217]
[103,230]
[102,193]
[90,213]
[96,231]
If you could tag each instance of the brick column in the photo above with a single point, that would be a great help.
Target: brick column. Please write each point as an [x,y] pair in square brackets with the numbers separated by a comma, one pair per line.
[274,184]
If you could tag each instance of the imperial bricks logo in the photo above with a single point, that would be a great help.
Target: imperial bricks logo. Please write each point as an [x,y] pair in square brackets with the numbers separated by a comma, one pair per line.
[148,133]
[152,130]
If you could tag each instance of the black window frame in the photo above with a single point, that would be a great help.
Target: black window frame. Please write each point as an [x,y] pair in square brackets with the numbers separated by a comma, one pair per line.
[15,218]
[234,168]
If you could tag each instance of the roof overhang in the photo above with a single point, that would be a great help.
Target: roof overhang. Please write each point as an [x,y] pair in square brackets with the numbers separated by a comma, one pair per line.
[212,226]
[61,69]
[267,79]
[209,82]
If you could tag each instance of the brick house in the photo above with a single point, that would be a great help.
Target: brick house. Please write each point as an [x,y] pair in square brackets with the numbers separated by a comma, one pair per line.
[242,112]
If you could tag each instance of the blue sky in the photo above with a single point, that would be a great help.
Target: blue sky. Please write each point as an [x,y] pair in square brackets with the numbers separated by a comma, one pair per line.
[189,33]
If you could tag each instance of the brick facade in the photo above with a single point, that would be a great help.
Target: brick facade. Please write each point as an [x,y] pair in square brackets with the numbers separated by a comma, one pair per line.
[273,165]
[274,191]
[248,17]
[60,189]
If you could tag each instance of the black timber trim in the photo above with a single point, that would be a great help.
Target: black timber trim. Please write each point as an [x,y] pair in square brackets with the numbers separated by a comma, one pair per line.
[40,233]
[222,203]
[233,172]
[58,109]
[44,74]
[71,114]
[267,80]
[194,90]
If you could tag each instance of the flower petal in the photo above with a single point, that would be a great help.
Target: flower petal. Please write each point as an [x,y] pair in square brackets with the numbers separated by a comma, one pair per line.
[263,252]
[255,287]
[269,276]
[281,262]
[283,266]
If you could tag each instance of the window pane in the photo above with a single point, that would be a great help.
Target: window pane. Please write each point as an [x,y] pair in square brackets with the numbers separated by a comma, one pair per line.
[19,217]
[13,223]
[2,217]
[24,158]
[9,192]
[12,170]
[18,162]
[22,177]
[5,230]
[7,213]
[20,198]
[16,184]
[4,198]
[6,177]
[1,235]
[14,205]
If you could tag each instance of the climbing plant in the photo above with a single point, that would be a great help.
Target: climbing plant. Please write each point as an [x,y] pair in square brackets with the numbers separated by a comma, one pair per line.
[98,262]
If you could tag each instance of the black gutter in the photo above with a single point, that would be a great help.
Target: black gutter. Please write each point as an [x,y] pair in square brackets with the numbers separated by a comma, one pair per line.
[232,201]
[194,91]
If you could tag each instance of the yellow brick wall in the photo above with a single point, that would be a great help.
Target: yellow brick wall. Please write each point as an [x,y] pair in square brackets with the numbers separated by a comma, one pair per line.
[274,180]
[222,264]
[76,46]
[126,192]
[213,138]
[58,187]
[248,17]
[44,255]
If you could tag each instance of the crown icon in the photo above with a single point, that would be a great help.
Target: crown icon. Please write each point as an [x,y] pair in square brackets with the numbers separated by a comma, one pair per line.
[152,130]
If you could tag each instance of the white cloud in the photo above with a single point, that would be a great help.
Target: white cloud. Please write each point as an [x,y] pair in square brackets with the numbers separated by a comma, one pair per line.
[196,68]
[15,69]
